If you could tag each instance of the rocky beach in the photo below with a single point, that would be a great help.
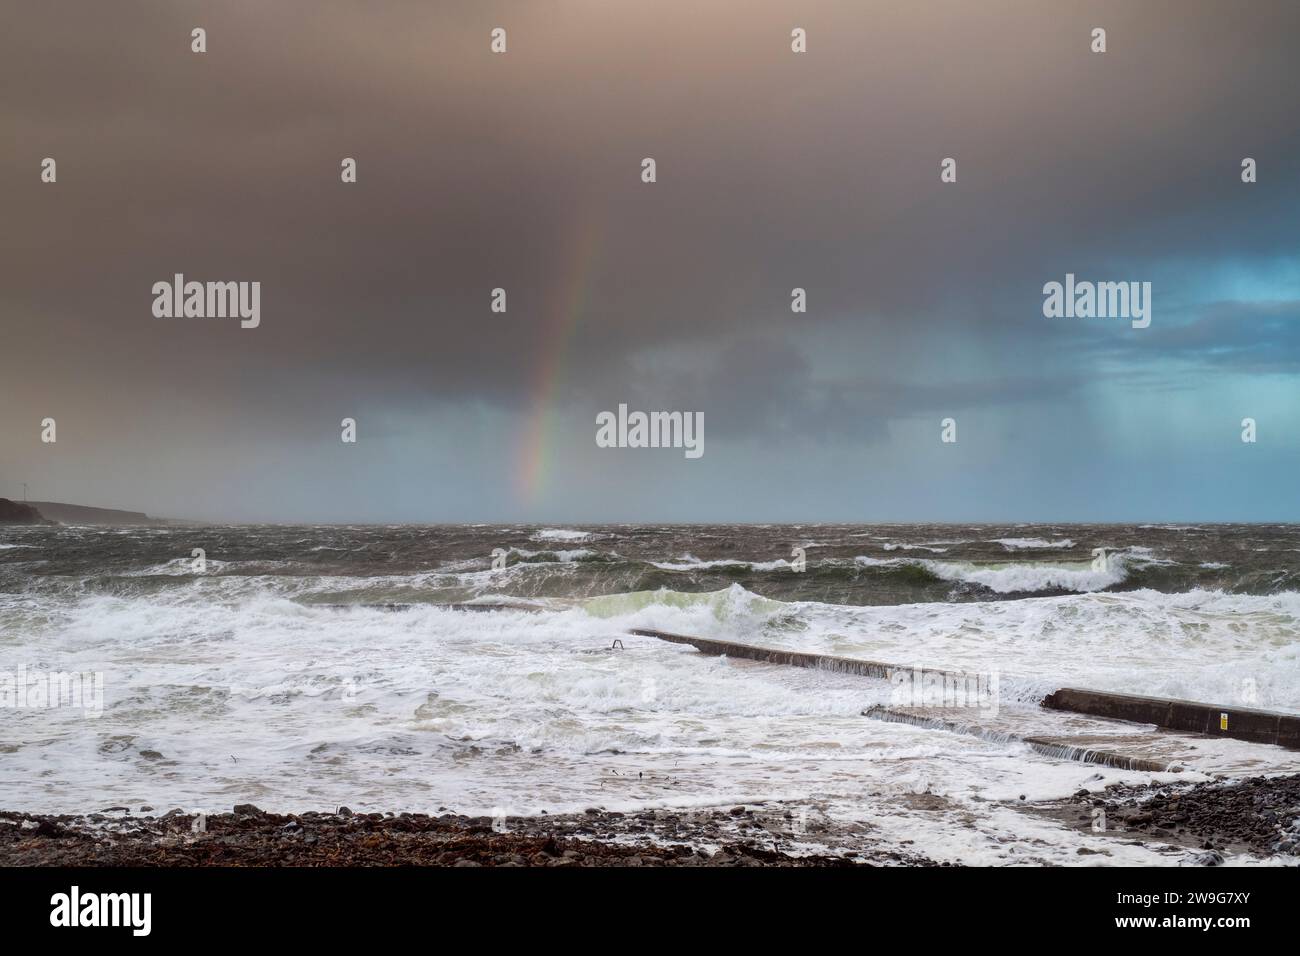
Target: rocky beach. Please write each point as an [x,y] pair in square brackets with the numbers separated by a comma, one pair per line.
[1257,816]
[1253,818]
[248,836]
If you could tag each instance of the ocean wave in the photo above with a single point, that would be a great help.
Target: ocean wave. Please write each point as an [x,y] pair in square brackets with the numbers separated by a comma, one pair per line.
[303,706]
[180,567]
[1025,577]
[1198,644]
[689,562]
[560,556]
[1079,576]
[722,605]
[563,534]
[1021,544]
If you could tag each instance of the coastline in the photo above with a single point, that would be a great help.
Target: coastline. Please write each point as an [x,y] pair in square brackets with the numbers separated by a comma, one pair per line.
[1255,819]
[248,836]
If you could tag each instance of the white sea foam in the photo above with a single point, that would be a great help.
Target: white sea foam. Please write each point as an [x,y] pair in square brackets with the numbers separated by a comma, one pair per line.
[1026,577]
[1021,544]
[866,561]
[1199,645]
[689,562]
[1031,577]
[563,534]
[177,567]
[250,695]
[561,555]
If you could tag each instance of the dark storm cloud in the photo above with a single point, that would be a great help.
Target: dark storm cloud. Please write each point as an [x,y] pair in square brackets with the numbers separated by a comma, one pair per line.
[521,171]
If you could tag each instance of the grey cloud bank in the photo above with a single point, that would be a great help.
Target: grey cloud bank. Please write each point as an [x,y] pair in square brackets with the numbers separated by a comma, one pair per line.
[775,171]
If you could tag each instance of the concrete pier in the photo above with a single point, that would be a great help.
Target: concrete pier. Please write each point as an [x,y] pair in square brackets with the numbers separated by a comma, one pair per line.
[1213,720]
[1059,749]
[770,655]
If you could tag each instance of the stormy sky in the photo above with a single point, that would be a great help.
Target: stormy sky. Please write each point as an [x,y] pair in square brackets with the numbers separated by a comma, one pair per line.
[775,170]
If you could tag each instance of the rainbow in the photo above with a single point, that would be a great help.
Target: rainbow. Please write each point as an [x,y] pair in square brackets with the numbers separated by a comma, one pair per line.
[561,322]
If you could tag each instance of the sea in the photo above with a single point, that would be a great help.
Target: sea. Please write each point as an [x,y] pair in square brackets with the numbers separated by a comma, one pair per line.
[311,667]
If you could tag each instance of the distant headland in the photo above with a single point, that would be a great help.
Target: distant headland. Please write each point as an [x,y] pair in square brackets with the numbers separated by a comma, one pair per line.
[54,512]
[17,512]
